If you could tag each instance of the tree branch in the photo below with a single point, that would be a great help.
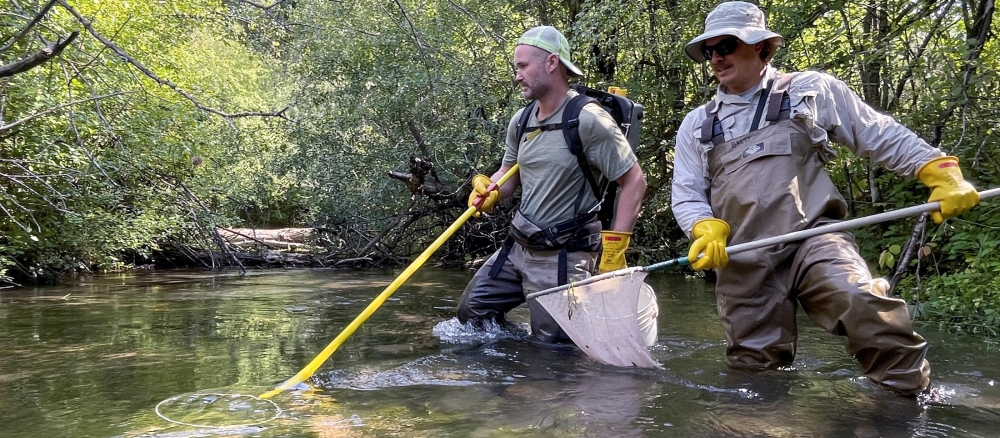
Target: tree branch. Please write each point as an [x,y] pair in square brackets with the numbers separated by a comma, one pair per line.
[31,25]
[912,246]
[42,56]
[264,7]
[149,73]
[5,128]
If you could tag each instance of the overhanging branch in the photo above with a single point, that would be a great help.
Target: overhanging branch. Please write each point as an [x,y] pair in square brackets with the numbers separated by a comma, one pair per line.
[149,73]
[31,25]
[42,56]
[5,128]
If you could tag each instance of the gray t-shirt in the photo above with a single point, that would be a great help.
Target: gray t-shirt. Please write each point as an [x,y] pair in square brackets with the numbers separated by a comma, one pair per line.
[551,180]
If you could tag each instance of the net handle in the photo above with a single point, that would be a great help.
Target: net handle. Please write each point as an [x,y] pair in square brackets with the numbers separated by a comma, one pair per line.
[307,372]
[771,241]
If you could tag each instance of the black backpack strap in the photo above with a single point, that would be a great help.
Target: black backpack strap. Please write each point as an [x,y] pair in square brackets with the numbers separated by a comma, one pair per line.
[562,276]
[522,123]
[571,131]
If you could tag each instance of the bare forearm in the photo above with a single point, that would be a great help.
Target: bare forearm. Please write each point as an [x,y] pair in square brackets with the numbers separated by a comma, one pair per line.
[507,189]
[633,188]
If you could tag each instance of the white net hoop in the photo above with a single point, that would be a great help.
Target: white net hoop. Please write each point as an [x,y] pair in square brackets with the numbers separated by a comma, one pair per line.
[603,318]
[211,408]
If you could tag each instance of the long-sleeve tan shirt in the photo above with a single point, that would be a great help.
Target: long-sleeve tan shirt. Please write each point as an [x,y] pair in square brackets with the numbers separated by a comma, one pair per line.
[827,108]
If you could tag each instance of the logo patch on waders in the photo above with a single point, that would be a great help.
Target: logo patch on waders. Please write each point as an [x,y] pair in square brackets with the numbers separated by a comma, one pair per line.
[753,149]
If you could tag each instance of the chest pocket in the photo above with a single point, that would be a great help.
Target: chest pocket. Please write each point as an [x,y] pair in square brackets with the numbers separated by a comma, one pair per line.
[736,157]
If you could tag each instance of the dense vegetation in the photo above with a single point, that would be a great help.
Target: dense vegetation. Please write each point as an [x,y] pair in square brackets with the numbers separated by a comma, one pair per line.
[130,127]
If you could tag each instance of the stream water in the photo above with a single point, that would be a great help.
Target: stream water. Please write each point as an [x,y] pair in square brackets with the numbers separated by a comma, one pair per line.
[184,354]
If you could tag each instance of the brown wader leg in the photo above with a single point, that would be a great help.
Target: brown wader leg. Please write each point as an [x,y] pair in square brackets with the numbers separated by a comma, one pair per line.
[541,269]
[756,310]
[524,272]
[489,299]
[838,293]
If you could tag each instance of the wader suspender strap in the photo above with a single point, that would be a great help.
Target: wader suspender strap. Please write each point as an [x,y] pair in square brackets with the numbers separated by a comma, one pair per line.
[778,108]
[760,106]
[780,102]
[711,129]
[505,248]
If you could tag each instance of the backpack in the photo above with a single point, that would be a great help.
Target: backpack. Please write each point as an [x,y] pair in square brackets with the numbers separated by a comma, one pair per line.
[626,113]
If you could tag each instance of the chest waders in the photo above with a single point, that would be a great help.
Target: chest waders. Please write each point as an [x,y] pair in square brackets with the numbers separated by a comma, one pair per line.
[583,231]
[770,182]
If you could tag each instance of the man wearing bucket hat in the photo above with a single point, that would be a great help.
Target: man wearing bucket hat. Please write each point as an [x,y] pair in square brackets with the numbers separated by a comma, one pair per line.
[555,235]
[749,165]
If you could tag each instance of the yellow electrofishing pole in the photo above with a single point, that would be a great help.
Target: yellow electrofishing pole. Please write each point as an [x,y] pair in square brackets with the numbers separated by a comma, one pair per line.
[311,368]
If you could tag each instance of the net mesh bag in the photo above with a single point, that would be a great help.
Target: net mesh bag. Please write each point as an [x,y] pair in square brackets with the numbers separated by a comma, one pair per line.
[602,318]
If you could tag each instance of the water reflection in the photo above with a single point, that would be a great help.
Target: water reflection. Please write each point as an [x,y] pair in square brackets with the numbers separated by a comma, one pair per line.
[510,386]
[94,358]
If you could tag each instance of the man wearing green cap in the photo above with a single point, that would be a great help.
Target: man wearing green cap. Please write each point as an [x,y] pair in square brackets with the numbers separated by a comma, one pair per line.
[750,165]
[555,235]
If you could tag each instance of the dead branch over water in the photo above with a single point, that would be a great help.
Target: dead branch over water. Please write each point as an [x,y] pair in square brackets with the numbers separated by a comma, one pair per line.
[352,242]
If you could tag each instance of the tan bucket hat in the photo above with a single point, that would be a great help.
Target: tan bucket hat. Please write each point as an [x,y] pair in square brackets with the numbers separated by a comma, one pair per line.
[740,19]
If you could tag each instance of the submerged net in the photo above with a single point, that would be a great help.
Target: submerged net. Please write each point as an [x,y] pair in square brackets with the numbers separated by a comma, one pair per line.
[603,319]
[217,410]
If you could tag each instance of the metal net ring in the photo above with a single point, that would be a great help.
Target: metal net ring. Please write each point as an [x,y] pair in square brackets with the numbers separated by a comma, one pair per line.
[277,410]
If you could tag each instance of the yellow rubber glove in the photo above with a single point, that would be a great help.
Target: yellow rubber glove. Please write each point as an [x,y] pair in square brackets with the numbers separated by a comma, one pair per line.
[944,178]
[480,188]
[613,255]
[709,237]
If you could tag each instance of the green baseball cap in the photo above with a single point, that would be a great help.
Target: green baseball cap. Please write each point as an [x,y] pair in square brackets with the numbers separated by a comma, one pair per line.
[550,40]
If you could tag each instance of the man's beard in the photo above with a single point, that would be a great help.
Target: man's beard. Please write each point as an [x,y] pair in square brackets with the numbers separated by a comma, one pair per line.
[533,92]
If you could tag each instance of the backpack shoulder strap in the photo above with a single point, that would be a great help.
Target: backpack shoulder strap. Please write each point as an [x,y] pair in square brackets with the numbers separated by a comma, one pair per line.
[571,131]
[522,123]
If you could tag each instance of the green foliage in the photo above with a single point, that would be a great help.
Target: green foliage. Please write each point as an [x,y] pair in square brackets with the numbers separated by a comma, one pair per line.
[138,164]
[964,301]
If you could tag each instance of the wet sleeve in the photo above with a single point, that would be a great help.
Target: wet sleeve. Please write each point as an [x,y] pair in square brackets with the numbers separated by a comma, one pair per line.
[867,133]
[689,188]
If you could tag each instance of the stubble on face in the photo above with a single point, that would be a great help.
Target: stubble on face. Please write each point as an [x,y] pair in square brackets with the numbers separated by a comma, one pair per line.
[738,71]
[531,73]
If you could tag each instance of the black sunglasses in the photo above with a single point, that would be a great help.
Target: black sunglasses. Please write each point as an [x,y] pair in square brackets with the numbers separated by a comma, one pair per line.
[723,48]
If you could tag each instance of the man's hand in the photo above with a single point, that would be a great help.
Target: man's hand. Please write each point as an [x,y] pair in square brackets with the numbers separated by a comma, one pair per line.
[709,237]
[944,178]
[613,255]
[480,188]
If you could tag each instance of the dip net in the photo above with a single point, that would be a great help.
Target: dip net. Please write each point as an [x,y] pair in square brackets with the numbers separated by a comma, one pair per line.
[603,318]
[217,410]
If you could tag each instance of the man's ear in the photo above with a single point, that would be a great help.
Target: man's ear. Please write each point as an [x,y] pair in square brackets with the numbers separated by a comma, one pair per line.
[552,62]
[758,47]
